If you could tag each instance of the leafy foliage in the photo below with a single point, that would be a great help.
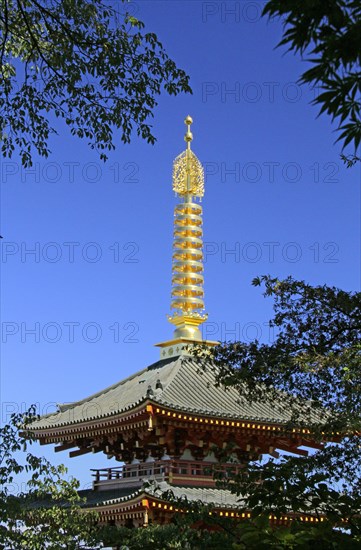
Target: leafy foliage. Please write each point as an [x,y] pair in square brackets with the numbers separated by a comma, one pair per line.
[48,514]
[315,355]
[198,528]
[327,34]
[314,362]
[83,62]
[178,535]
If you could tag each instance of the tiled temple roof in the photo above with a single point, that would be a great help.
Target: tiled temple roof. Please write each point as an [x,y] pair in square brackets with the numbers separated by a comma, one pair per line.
[178,383]
[218,497]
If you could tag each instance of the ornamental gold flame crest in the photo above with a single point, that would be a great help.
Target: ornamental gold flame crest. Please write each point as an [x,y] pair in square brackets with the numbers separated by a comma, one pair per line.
[188,175]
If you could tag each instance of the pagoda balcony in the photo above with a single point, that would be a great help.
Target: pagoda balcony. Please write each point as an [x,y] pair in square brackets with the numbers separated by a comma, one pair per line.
[175,472]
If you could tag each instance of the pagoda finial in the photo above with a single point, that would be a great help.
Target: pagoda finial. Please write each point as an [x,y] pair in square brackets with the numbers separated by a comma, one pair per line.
[187,302]
[187,280]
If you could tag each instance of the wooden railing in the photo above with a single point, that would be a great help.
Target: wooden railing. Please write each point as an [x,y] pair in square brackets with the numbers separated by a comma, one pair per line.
[174,471]
[129,471]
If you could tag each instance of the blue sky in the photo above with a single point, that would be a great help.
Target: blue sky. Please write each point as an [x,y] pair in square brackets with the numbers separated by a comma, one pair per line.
[84,310]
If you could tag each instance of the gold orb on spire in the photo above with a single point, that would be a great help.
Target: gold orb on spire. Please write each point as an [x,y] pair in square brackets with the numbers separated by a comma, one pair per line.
[189,136]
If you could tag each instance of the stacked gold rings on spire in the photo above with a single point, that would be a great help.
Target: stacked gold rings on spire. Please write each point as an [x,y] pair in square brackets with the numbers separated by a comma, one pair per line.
[187,280]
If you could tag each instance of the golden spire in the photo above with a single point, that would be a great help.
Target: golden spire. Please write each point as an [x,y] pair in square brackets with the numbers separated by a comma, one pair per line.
[187,273]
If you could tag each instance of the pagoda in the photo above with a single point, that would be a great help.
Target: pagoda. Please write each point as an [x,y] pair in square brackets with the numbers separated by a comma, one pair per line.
[170,423]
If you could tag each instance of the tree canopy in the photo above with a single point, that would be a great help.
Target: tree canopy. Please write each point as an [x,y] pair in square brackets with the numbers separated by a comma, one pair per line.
[315,361]
[47,513]
[327,34]
[83,62]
